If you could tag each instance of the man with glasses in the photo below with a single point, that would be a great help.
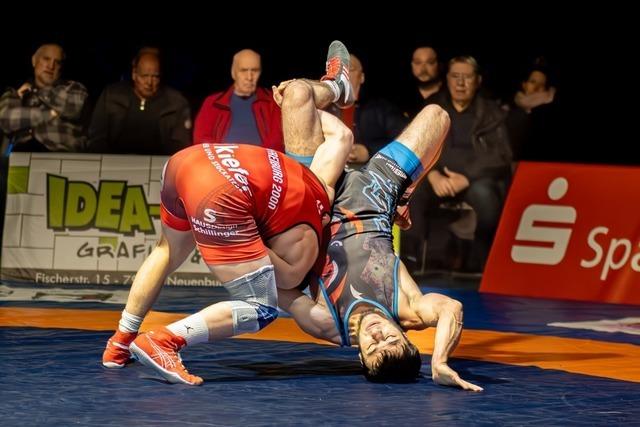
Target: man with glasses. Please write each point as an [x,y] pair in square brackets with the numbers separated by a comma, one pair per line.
[475,166]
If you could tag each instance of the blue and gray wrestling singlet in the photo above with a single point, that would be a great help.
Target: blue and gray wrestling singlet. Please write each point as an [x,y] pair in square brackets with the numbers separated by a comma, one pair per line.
[361,266]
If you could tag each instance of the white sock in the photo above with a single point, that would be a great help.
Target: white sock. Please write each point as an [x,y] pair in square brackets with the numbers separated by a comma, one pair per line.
[193,329]
[334,88]
[129,322]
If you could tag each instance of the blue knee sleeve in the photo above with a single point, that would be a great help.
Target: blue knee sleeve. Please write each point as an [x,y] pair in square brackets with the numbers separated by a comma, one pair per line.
[254,301]
[404,157]
[266,314]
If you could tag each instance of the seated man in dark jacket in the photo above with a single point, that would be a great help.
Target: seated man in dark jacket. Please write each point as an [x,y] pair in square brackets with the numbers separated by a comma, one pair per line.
[475,165]
[141,117]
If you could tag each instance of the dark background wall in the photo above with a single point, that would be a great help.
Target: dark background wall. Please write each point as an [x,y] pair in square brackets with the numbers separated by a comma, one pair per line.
[198,58]
[198,42]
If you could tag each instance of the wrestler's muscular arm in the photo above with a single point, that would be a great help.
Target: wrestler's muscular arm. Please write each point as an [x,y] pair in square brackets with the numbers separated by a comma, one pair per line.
[297,249]
[331,156]
[309,131]
[293,254]
[313,318]
[446,315]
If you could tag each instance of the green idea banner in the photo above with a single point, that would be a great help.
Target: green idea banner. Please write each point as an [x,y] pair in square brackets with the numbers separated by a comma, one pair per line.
[85,219]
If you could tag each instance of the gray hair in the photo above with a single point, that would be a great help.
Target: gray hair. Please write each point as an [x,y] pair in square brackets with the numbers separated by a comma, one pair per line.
[466,59]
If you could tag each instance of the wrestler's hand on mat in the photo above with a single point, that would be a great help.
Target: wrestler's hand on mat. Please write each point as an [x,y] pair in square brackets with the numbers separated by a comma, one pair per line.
[278,92]
[443,374]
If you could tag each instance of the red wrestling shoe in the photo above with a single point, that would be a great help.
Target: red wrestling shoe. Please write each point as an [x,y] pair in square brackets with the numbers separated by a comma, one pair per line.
[160,351]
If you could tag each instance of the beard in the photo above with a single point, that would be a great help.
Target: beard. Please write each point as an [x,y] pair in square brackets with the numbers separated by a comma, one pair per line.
[421,84]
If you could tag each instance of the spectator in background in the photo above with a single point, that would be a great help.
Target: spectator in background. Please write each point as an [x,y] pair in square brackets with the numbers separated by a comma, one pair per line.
[475,165]
[374,121]
[427,81]
[532,116]
[141,116]
[244,112]
[45,113]
[535,91]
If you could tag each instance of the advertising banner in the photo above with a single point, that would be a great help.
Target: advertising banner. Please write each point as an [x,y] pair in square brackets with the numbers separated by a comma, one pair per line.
[571,232]
[85,219]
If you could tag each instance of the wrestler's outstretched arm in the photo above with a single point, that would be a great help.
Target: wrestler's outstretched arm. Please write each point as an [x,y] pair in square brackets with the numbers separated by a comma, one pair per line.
[446,314]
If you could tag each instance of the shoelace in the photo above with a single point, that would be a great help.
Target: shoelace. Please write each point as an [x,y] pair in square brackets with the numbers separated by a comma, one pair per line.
[333,67]
[172,360]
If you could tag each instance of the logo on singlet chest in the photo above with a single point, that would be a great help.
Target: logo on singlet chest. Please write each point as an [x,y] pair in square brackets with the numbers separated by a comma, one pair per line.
[223,159]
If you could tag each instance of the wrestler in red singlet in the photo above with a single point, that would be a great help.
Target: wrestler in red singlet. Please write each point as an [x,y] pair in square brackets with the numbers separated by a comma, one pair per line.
[235,197]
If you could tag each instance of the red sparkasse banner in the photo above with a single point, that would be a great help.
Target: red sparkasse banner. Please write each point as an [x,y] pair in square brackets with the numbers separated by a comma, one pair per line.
[571,232]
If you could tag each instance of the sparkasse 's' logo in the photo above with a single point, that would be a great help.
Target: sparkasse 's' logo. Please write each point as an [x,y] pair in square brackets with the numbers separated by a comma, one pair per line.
[540,244]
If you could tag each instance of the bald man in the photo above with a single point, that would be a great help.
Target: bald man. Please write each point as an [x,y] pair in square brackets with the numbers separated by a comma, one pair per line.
[45,113]
[141,116]
[245,71]
[244,113]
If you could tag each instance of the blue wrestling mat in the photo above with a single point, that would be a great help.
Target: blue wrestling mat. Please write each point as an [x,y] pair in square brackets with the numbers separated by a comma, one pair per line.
[533,373]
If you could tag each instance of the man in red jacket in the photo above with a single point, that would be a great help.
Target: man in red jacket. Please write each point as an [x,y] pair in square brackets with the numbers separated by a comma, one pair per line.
[243,113]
